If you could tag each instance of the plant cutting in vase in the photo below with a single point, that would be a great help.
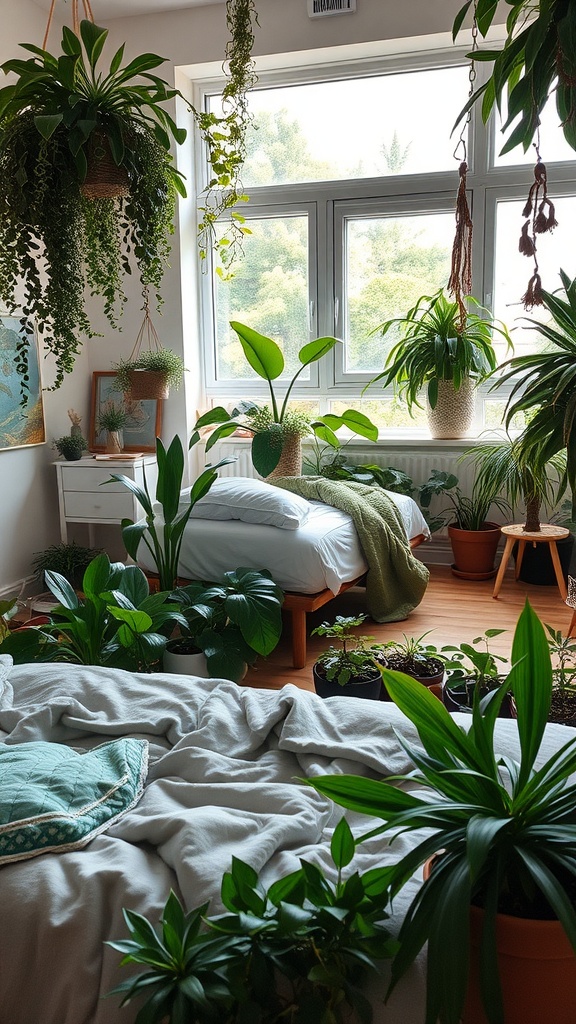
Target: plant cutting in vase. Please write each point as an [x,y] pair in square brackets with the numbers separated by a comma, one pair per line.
[231,622]
[62,112]
[268,444]
[162,531]
[503,827]
[297,951]
[473,537]
[435,354]
[351,669]
[71,446]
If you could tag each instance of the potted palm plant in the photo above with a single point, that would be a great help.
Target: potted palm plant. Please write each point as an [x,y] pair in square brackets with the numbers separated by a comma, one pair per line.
[86,175]
[228,624]
[351,669]
[497,907]
[447,359]
[474,538]
[277,431]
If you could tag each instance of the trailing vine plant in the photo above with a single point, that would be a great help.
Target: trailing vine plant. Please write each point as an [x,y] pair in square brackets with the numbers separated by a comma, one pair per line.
[225,139]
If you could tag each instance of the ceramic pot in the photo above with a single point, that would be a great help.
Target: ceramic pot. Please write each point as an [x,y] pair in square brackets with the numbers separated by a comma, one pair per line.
[454,411]
[184,664]
[113,442]
[474,551]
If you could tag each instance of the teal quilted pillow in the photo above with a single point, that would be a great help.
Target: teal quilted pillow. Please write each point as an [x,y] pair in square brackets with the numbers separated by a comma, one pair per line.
[54,799]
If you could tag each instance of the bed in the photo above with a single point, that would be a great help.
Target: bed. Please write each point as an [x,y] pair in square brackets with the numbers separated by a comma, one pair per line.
[313,558]
[223,779]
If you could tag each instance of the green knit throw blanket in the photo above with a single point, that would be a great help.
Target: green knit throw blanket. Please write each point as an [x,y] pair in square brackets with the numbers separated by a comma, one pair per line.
[396,580]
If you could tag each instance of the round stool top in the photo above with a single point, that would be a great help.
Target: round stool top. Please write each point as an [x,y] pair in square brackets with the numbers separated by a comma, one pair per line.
[547,532]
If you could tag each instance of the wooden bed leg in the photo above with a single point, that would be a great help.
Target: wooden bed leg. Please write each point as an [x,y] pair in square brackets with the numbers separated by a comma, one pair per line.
[298,638]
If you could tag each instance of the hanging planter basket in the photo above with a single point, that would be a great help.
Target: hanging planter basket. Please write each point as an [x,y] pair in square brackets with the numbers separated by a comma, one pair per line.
[148,384]
[104,179]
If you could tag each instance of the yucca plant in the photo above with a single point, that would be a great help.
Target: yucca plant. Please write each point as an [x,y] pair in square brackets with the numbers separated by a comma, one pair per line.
[546,381]
[507,466]
[434,348]
[503,827]
[62,112]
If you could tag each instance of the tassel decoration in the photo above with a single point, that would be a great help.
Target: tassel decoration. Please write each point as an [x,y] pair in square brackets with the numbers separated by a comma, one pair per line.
[460,282]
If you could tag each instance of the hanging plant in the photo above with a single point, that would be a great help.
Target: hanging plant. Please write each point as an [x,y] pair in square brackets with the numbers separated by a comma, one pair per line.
[60,117]
[225,138]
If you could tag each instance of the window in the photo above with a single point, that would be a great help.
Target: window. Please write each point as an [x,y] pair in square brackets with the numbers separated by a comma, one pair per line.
[352,178]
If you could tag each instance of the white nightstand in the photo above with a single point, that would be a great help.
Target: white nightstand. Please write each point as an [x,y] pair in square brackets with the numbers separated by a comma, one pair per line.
[82,500]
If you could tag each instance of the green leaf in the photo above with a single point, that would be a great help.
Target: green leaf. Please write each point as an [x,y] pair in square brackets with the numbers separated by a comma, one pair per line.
[267,449]
[61,589]
[262,353]
[531,685]
[342,845]
[314,350]
[93,39]
[97,575]
[47,124]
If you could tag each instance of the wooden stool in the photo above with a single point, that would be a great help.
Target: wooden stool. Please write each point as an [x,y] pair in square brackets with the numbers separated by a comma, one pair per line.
[548,534]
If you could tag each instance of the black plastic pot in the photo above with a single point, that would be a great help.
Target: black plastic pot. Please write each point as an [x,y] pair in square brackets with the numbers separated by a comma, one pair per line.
[458,697]
[537,563]
[369,689]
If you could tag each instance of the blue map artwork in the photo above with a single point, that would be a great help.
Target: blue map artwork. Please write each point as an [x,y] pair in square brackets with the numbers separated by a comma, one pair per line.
[19,424]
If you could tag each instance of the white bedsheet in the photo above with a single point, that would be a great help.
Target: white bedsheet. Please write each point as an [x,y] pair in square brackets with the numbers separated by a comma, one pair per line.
[226,764]
[323,553]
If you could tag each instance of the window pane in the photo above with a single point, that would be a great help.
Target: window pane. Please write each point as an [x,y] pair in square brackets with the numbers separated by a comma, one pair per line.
[553,144]
[390,263]
[354,128]
[269,292]
[513,270]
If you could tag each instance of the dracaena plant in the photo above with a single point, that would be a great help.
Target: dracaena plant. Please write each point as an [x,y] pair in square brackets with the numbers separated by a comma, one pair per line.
[270,426]
[294,953]
[503,825]
[62,111]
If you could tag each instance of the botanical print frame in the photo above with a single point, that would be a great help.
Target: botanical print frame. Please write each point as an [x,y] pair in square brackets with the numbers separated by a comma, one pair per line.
[20,425]
[144,417]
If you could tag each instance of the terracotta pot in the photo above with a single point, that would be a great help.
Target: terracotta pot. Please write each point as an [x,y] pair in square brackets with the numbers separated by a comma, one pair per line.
[474,551]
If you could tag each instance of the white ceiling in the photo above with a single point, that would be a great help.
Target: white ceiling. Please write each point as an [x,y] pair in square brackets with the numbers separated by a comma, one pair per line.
[105,10]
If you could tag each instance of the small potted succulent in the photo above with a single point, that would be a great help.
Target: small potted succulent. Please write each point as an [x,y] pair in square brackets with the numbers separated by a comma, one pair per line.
[415,659]
[150,374]
[351,669]
[71,446]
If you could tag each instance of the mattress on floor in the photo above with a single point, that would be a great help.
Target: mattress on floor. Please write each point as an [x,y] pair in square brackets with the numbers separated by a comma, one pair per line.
[322,554]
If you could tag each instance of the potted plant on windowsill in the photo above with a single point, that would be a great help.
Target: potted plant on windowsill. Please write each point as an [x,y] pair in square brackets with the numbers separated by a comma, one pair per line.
[473,537]
[351,669]
[273,438]
[63,113]
[438,355]
[227,625]
[503,830]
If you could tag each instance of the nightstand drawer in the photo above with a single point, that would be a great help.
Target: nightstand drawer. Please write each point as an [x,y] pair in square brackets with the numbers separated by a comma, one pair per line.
[98,505]
[88,479]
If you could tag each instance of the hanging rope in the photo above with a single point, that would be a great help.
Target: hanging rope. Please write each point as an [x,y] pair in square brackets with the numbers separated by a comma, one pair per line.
[540,217]
[460,281]
[75,18]
[147,332]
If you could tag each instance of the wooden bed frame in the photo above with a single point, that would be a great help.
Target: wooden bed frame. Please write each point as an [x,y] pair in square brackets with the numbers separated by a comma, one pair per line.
[300,604]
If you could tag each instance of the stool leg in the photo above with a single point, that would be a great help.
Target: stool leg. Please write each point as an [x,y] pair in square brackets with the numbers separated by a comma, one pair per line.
[519,557]
[570,631]
[558,570]
[502,567]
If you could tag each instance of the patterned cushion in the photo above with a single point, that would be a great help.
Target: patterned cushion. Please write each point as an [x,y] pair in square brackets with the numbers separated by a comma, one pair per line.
[53,798]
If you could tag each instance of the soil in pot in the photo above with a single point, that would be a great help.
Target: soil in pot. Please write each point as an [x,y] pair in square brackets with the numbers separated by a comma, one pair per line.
[474,551]
[537,564]
[369,685]
[563,709]
[459,697]
[429,672]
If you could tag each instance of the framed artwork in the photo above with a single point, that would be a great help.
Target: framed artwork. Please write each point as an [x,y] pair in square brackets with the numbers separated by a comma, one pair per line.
[20,425]
[143,424]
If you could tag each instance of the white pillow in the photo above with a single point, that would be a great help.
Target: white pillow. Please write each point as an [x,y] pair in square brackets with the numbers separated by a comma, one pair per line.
[252,501]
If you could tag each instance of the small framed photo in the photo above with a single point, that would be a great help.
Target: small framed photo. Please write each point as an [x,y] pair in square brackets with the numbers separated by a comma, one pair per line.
[143,422]
[20,425]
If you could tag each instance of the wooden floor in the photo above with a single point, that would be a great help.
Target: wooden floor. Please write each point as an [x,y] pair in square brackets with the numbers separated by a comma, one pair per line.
[455,610]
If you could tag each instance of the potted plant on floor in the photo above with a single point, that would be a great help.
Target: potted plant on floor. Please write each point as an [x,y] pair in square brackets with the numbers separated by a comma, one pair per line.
[415,659]
[474,538]
[472,668]
[351,669]
[436,354]
[65,124]
[563,652]
[497,906]
[277,437]
[69,560]
[227,625]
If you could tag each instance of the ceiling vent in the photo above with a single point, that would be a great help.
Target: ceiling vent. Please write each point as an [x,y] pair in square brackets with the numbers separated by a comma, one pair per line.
[324,8]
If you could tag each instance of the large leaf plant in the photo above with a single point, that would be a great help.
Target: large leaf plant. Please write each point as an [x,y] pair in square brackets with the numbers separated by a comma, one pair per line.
[61,110]
[503,826]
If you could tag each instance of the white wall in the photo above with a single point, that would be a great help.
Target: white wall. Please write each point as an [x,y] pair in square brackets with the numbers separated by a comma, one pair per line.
[198,35]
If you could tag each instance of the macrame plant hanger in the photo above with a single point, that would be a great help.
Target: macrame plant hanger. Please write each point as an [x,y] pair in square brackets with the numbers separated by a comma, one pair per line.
[144,383]
[540,216]
[104,178]
[460,281]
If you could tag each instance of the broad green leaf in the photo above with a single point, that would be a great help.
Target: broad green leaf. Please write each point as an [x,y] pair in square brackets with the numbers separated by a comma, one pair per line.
[342,845]
[263,354]
[61,589]
[97,575]
[314,350]
[93,38]
[48,123]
